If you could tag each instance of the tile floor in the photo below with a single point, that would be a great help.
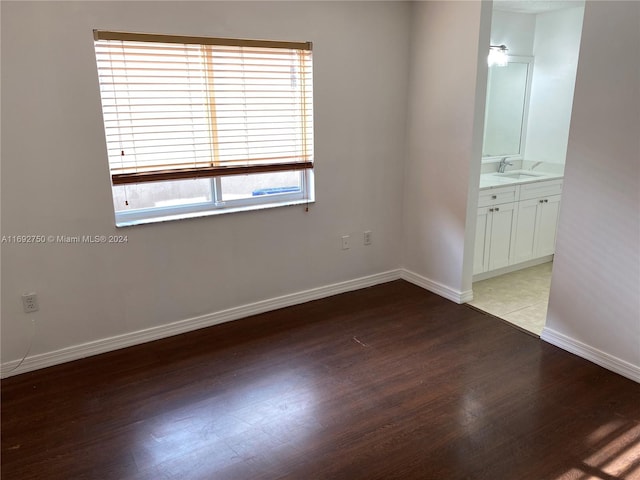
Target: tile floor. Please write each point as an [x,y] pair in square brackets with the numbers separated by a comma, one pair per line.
[519,297]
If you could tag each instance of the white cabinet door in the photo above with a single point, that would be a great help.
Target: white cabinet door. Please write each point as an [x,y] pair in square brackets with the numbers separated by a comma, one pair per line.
[494,237]
[480,255]
[536,228]
[524,244]
[547,225]
[502,227]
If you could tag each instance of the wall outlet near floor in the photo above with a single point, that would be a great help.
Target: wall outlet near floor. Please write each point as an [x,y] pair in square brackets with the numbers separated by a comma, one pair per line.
[367,237]
[30,302]
[346,242]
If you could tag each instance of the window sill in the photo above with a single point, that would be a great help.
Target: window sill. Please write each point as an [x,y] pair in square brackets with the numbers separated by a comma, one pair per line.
[124,222]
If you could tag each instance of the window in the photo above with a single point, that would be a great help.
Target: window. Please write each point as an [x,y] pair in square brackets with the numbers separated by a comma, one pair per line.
[196,126]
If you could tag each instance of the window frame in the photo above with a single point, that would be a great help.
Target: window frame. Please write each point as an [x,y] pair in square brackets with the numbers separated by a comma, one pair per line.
[141,216]
[215,206]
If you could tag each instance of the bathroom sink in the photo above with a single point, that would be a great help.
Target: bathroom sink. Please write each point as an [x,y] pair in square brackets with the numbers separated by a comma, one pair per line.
[519,175]
[511,177]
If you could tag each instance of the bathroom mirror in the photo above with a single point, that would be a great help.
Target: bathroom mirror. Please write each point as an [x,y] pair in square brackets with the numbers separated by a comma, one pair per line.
[506,109]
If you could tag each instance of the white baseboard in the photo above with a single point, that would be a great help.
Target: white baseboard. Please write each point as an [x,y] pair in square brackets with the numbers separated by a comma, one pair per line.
[76,352]
[512,268]
[437,288]
[594,355]
[104,345]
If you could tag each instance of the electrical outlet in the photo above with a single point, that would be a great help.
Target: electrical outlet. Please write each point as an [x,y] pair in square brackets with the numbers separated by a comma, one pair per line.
[30,302]
[367,237]
[346,242]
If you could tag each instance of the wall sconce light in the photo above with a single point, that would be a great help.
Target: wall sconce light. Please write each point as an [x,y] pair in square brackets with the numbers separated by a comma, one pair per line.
[498,56]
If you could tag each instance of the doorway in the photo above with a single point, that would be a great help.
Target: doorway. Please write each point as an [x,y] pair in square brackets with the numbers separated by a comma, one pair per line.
[550,35]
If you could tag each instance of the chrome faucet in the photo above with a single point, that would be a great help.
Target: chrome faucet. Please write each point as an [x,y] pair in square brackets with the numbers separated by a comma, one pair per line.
[503,164]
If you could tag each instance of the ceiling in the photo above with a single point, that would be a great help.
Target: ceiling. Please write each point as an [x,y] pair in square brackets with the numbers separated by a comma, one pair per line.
[534,6]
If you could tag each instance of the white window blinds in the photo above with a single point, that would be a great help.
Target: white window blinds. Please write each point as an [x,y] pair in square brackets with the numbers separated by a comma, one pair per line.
[186,107]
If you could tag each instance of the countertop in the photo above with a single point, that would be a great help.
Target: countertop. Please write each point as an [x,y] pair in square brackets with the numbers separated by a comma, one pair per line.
[515,177]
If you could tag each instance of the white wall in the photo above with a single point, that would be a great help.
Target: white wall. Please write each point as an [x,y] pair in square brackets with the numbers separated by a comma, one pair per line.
[594,307]
[55,178]
[515,30]
[444,136]
[557,41]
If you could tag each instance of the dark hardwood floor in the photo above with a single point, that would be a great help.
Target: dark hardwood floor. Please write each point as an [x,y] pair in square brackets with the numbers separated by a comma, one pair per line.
[382,383]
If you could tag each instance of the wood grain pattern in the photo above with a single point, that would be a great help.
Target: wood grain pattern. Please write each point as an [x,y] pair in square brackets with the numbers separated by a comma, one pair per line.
[385,382]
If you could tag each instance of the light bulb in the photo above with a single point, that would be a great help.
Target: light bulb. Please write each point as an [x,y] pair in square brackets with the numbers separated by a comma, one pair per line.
[498,56]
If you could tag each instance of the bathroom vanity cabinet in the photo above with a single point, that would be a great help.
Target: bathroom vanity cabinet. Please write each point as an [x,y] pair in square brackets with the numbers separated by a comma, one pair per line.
[516,224]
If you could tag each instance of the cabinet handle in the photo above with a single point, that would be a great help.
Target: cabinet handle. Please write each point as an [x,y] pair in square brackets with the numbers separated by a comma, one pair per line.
[497,209]
[541,201]
[546,200]
[491,209]
[493,197]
